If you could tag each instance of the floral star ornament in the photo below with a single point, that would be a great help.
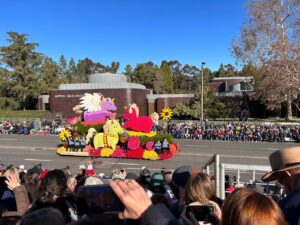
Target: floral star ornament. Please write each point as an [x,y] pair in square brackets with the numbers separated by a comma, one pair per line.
[166,113]
[64,135]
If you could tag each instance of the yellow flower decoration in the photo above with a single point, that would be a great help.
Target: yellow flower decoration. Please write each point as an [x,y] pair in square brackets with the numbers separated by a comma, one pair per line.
[64,135]
[106,152]
[166,113]
[60,150]
[141,134]
[152,155]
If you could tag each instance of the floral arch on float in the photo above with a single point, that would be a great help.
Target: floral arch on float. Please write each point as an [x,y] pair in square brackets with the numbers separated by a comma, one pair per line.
[96,132]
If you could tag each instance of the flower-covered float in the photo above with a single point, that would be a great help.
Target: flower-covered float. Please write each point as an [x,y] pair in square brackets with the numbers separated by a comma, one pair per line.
[95,132]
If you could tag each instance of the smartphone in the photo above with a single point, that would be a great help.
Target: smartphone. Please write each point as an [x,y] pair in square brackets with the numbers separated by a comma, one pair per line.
[201,212]
[98,199]
[2,181]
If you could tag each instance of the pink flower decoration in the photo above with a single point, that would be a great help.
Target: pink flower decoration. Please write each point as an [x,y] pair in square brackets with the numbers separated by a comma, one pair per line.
[88,148]
[133,143]
[149,145]
[136,154]
[118,153]
[95,152]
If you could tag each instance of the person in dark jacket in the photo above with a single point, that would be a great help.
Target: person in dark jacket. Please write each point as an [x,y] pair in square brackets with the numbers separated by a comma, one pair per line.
[285,166]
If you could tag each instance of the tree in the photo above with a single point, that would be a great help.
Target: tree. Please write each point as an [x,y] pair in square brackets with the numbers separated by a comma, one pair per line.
[183,111]
[269,40]
[175,68]
[86,67]
[62,66]
[7,101]
[230,70]
[71,73]
[128,73]
[213,108]
[190,78]
[50,77]
[221,71]
[23,64]
[166,78]
[114,67]
[146,74]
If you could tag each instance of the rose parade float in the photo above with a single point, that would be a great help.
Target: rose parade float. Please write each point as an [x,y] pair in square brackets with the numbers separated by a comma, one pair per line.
[96,132]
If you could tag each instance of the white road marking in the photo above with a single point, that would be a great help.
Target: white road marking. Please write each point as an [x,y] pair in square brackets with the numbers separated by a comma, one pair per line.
[25,147]
[272,149]
[17,147]
[128,164]
[195,154]
[205,146]
[39,160]
[224,156]
[6,139]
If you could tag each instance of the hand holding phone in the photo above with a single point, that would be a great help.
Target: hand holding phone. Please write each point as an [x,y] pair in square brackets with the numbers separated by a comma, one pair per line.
[201,212]
[12,182]
[98,199]
[133,196]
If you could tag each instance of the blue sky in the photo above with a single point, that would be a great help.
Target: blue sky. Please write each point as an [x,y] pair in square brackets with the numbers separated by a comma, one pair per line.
[128,31]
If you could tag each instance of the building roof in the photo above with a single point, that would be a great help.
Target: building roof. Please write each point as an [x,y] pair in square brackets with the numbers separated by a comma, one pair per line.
[103,81]
[231,78]
[155,96]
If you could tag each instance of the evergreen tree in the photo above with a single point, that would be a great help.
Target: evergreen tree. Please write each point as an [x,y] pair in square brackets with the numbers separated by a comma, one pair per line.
[23,63]
[221,71]
[114,67]
[191,78]
[62,66]
[230,70]
[175,68]
[6,98]
[71,71]
[128,73]
[84,68]
[166,78]
[146,74]
[50,78]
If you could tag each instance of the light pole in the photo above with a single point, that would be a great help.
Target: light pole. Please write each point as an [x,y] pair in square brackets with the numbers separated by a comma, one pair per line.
[202,64]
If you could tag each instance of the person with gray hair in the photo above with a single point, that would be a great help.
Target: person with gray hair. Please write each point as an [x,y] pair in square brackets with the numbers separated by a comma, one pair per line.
[285,166]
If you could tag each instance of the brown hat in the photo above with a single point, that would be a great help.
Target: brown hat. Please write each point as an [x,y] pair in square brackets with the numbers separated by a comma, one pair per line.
[282,160]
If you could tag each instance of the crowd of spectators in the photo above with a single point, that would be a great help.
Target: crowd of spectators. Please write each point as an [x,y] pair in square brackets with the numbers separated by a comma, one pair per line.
[32,126]
[244,132]
[235,132]
[169,197]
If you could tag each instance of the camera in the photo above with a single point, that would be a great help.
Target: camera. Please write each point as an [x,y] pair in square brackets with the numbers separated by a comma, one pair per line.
[98,199]
[201,212]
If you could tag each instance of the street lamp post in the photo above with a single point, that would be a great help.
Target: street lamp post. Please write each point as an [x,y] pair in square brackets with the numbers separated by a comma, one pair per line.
[202,64]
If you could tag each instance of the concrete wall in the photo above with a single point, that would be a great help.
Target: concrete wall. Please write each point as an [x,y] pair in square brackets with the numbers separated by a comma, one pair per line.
[170,102]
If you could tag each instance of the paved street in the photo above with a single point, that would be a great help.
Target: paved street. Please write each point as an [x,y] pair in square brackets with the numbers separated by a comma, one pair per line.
[30,150]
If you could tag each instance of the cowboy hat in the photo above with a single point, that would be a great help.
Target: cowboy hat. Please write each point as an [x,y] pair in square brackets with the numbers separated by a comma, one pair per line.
[282,160]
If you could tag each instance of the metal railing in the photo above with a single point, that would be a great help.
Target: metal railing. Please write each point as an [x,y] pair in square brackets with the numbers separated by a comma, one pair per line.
[220,168]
